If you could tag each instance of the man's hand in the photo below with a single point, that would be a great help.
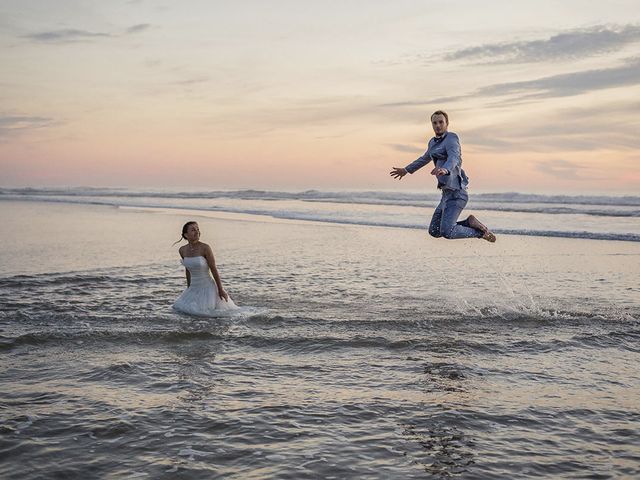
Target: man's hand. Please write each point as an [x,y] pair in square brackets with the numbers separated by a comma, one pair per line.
[439,171]
[398,172]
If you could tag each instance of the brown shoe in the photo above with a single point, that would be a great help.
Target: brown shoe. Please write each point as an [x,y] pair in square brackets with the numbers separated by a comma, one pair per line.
[489,237]
[477,224]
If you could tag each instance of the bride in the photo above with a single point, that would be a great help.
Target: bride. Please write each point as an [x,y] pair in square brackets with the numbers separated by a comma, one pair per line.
[203,296]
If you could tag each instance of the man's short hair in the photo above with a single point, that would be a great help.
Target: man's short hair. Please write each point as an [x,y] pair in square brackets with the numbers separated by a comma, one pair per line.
[441,112]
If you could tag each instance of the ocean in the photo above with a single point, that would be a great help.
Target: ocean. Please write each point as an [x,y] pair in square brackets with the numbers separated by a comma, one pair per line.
[364,348]
[593,217]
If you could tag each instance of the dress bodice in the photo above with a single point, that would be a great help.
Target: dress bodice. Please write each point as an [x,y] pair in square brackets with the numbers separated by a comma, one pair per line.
[198,268]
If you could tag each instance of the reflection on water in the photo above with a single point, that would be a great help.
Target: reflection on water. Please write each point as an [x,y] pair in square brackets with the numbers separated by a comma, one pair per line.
[443,376]
[445,451]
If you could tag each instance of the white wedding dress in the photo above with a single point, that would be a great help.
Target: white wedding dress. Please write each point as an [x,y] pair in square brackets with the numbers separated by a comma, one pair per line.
[201,297]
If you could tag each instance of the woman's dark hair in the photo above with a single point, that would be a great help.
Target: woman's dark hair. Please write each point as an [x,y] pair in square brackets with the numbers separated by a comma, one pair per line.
[185,227]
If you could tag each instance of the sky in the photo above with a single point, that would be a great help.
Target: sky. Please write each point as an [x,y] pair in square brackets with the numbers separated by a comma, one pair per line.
[544,95]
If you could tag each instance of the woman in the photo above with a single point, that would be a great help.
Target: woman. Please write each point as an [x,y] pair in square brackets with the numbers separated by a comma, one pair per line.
[444,151]
[203,296]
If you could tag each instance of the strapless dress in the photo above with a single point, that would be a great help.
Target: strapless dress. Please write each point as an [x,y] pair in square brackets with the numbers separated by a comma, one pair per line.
[201,297]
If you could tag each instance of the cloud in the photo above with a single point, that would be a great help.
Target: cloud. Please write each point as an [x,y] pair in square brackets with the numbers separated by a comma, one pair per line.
[530,137]
[141,27]
[571,129]
[569,45]
[65,35]
[69,35]
[192,81]
[342,114]
[563,169]
[555,86]
[404,104]
[11,124]
[568,84]
[407,148]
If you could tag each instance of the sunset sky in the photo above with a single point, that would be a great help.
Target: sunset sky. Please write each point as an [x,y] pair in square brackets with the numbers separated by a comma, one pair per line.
[545,95]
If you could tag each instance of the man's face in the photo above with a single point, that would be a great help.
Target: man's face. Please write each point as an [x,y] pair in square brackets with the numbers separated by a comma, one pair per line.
[439,124]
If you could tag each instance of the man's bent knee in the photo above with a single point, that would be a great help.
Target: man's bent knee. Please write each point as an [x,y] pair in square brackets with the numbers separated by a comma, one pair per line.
[448,233]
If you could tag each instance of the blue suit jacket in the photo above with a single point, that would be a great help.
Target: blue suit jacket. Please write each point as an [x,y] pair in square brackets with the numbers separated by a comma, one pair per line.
[445,152]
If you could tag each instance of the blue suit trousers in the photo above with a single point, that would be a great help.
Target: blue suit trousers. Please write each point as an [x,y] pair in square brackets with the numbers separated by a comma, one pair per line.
[444,222]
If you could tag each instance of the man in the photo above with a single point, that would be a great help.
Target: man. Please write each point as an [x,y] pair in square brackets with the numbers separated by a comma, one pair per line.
[444,150]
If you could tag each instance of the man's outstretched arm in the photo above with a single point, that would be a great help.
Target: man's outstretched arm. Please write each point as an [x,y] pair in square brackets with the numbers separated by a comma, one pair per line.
[399,172]
[418,163]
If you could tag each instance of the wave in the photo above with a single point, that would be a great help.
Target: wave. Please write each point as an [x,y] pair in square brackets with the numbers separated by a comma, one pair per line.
[364,197]
[70,337]
[623,237]
[626,237]
[425,204]
[263,205]
[607,206]
[21,281]
[328,218]
[626,340]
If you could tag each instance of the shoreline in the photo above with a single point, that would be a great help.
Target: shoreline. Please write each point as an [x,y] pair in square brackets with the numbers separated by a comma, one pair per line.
[271,217]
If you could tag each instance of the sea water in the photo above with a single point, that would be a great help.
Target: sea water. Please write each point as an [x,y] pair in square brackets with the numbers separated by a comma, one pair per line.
[364,351]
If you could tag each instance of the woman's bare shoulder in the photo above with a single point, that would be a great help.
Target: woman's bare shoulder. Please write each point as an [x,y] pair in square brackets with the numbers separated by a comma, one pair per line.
[206,250]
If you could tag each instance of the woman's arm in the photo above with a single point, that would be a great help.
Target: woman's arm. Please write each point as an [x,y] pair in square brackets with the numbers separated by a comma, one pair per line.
[208,254]
[186,270]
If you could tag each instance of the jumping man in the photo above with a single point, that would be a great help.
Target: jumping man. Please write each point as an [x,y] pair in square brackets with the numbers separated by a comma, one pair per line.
[444,150]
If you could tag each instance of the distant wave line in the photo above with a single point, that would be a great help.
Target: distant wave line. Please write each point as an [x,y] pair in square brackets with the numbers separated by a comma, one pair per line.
[426,202]
[315,217]
[364,197]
